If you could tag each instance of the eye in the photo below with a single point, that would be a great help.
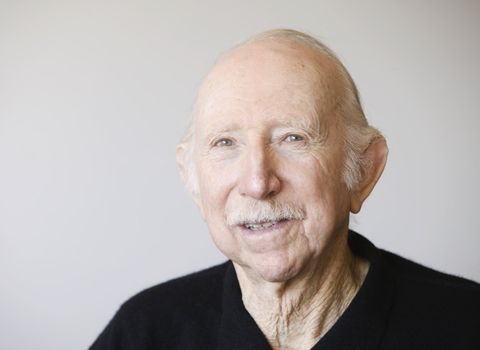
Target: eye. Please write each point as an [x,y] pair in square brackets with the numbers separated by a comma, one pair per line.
[293,138]
[223,142]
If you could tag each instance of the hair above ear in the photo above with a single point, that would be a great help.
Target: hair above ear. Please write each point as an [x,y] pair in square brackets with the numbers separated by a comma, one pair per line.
[376,155]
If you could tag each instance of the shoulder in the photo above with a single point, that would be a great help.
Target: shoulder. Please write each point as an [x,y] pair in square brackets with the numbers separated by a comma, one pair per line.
[414,275]
[409,275]
[201,289]
[160,316]
[432,305]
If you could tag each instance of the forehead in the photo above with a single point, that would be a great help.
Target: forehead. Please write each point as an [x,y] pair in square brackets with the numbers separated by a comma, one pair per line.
[280,79]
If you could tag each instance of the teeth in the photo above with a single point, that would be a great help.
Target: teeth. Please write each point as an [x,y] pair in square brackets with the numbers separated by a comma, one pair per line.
[260,226]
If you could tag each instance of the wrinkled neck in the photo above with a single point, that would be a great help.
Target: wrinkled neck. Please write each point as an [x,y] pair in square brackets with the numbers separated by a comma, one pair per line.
[295,314]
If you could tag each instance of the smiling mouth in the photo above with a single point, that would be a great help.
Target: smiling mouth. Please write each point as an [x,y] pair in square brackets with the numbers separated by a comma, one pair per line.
[258,226]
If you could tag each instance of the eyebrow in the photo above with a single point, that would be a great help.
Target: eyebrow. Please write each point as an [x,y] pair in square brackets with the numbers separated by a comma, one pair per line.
[294,122]
[221,130]
[314,125]
[316,128]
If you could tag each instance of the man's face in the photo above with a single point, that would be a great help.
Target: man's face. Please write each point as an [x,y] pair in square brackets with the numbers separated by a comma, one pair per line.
[269,156]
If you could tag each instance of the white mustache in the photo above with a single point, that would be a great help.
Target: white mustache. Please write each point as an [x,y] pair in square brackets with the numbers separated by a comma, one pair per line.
[258,212]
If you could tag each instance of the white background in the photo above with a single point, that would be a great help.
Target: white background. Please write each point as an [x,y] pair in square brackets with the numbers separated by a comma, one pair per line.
[94,96]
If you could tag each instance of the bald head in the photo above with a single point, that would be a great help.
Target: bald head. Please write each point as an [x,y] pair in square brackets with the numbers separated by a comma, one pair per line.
[260,68]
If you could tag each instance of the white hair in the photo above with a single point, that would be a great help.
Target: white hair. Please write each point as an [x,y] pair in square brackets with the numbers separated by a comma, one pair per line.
[253,211]
[358,133]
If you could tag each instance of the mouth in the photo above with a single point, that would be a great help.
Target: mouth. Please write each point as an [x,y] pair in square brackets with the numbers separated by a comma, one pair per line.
[264,225]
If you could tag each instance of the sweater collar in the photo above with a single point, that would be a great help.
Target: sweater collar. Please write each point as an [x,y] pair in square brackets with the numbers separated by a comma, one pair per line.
[238,329]
[359,327]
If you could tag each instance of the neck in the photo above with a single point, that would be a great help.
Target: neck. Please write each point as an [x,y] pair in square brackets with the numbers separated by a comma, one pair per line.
[295,314]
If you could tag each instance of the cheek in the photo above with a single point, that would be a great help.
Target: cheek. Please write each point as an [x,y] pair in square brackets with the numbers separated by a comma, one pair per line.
[212,199]
[223,238]
[214,185]
[210,183]
[215,175]
[319,186]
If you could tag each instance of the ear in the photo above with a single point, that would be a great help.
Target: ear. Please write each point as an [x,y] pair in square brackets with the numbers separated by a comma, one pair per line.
[186,175]
[180,158]
[376,154]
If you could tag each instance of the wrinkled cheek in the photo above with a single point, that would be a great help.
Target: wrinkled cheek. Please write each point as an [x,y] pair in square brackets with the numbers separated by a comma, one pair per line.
[320,227]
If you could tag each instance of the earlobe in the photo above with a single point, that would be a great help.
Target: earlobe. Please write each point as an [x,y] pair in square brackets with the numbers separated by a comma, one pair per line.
[376,153]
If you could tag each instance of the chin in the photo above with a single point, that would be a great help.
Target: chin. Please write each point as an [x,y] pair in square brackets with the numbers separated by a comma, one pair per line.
[276,269]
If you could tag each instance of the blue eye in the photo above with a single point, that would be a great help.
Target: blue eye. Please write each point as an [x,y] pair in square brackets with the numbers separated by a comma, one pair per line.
[294,138]
[223,143]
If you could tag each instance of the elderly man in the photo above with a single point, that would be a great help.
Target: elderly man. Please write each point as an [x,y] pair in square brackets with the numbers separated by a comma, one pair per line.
[278,155]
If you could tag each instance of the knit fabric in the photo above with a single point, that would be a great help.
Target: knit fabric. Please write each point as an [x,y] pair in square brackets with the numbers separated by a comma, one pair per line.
[401,305]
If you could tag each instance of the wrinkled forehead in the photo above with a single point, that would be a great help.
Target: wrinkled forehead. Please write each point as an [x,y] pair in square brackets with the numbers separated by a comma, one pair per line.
[276,76]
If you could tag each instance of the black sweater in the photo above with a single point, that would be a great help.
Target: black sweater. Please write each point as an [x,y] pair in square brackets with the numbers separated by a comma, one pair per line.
[401,305]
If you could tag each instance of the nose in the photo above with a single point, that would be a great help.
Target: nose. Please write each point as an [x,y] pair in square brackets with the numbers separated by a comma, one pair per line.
[258,177]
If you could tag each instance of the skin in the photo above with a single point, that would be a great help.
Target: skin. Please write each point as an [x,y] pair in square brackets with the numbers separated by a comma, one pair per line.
[266,131]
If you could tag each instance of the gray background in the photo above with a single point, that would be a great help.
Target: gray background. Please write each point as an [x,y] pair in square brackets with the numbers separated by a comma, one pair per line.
[95,94]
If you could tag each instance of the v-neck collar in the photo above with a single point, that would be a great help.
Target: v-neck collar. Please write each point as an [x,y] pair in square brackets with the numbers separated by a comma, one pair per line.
[363,323]
[360,327]
[238,329]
